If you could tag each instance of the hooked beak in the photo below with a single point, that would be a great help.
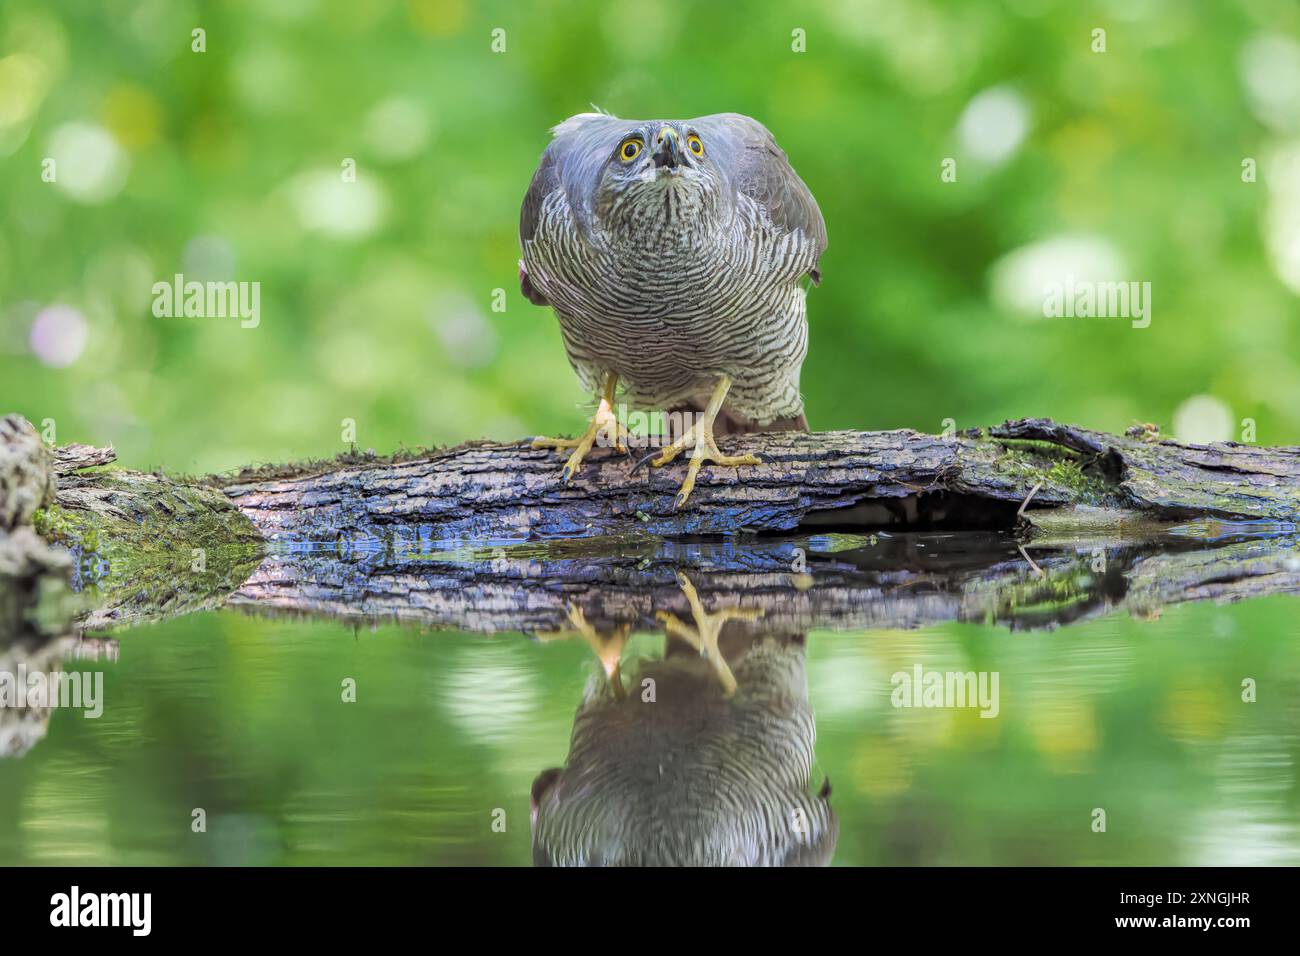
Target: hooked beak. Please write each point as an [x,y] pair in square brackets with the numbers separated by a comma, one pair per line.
[669,154]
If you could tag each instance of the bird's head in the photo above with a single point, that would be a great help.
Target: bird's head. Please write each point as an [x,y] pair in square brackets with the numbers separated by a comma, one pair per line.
[661,180]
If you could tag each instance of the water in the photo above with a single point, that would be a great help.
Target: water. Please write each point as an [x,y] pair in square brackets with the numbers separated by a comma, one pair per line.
[229,736]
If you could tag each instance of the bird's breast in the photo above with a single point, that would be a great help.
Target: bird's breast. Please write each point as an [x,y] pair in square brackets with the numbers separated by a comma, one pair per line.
[669,274]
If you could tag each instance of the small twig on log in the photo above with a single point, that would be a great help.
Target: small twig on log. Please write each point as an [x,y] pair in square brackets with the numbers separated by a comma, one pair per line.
[1020,512]
[70,458]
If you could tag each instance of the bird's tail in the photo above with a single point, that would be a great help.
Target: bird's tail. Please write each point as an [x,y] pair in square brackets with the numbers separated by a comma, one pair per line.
[726,425]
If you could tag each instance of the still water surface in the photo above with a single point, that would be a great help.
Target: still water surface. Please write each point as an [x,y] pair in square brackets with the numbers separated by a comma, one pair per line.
[243,717]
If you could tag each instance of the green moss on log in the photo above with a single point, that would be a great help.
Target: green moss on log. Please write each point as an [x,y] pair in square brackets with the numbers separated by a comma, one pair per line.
[147,546]
[1056,469]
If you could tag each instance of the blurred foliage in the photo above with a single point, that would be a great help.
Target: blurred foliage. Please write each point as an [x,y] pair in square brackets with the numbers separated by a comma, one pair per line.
[376,296]
[242,716]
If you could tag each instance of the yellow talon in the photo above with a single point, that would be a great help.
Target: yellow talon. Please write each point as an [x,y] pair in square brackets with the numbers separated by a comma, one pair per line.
[699,437]
[603,423]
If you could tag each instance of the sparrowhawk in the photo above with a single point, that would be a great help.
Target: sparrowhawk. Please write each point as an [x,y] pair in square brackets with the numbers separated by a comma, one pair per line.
[673,253]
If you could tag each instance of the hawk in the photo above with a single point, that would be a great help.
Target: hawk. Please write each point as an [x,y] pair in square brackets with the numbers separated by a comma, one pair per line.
[674,254]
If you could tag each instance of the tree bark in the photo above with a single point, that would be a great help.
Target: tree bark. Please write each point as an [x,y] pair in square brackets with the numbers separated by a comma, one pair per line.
[486,491]
[839,529]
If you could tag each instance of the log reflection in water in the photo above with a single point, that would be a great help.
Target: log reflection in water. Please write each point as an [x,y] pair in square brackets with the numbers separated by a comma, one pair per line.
[838,581]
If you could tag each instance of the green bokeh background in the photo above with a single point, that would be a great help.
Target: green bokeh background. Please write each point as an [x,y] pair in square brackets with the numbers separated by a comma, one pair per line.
[376,296]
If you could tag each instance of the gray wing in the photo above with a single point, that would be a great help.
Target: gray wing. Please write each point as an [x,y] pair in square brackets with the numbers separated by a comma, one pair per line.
[545,179]
[760,170]
[581,143]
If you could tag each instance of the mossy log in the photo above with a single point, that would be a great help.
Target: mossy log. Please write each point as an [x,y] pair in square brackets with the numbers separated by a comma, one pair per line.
[487,491]
[135,546]
[485,536]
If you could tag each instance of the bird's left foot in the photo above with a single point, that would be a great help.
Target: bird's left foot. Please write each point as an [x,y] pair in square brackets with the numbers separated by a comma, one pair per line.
[699,437]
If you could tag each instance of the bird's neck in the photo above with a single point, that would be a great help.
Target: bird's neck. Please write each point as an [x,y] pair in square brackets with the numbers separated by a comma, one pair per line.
[673,223]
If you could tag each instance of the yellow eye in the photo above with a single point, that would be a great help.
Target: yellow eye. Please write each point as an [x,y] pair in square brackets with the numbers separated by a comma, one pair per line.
[630,148]
[694,145]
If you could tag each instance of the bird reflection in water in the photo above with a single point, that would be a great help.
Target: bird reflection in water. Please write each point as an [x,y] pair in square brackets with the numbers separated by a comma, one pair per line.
[704,759]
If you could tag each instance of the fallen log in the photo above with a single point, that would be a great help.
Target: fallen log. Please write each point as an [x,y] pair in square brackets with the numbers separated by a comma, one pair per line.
[487,491]
[485,536]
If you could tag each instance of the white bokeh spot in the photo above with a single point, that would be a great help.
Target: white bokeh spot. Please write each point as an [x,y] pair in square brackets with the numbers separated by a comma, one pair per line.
[91,166]
[59,335]
[993,125]
[1202,419]
[326,204]
[1021,278]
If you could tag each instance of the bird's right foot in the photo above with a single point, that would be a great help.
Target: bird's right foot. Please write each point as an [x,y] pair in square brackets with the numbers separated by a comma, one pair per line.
[604,425]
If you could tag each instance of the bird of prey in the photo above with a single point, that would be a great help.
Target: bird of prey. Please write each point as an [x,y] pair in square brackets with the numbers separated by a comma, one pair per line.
[673,253]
